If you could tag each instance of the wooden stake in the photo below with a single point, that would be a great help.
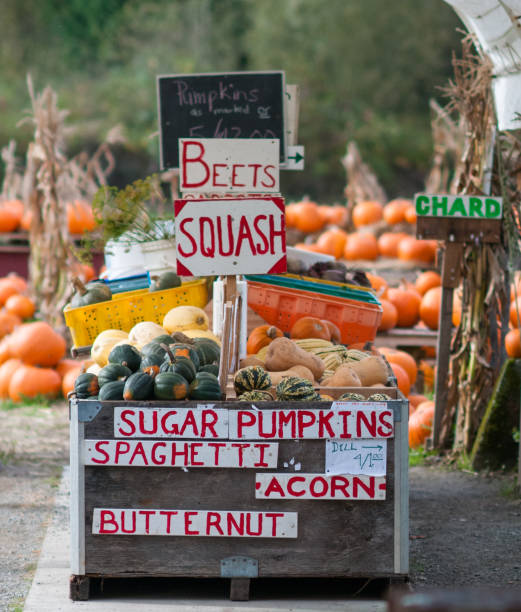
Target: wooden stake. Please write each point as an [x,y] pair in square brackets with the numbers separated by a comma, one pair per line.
[224,364]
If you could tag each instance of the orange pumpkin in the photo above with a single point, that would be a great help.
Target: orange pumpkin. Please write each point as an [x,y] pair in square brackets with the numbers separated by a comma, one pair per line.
[332,242]
[8,321]
[428,374]
[30,381]
[9,219]
[308,218]
[366,213]
[402,378]
[7,370]
[456,308]
[5,351]
[335,215]
[309,327]
[420,423]
[69,378]
[379,284]
[37,344]
[515,308]
[394,211]
[430,307]
[64,365]
[421,251]
[404,360]
[334,331]
[361,246]
[389,316]
[290,213]
[17,206]
[18,281]
[513,343]
[262,336]
[388,243]
[20,305]
[26,220]
[407,303]
[410,214]
[415,400]
[427,280]
[8,287]
[304,246]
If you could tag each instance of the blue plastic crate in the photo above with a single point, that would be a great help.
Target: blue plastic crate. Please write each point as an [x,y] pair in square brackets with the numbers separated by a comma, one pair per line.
[128,283]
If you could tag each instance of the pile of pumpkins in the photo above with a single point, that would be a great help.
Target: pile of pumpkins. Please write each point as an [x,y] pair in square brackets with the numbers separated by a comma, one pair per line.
[381,231]
[173,361]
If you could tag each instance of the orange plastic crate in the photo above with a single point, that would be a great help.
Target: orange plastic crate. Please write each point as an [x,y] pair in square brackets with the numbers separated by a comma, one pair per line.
[282,306]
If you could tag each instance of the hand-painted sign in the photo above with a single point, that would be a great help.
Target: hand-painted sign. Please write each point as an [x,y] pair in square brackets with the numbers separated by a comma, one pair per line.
[458,206]
[220,105]
[166,453]
[356,457]
[230,236]
[206,523]
[319,486]
[228,165]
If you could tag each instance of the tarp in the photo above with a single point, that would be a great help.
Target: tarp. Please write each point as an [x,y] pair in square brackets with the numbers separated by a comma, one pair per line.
[496,25]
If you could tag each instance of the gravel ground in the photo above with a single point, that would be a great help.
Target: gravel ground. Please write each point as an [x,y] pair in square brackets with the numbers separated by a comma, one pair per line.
[465,528]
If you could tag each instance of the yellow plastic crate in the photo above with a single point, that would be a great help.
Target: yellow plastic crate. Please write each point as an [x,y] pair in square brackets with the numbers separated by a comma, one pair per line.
[131,307]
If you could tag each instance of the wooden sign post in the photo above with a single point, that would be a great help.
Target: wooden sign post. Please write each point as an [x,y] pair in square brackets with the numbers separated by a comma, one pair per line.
[457,220]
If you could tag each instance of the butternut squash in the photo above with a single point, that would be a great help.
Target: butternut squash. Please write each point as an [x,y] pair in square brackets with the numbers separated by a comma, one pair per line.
[251,360]
[344,376]
[371,370]
[283,353]
[298,370]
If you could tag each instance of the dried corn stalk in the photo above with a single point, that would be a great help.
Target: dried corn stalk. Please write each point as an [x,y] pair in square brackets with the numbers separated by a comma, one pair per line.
[12,183]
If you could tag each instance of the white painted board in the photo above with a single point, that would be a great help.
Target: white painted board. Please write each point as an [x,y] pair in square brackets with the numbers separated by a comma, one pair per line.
[356,457]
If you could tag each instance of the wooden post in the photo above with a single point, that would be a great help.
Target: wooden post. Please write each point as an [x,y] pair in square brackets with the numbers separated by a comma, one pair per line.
[449,280]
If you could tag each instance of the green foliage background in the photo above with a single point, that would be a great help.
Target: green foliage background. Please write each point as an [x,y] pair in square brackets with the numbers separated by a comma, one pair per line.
[366,71]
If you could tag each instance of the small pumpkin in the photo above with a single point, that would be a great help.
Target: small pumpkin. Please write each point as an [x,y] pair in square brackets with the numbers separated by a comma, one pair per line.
[30,381]
[310,327]
[37,343]
[112,372]
[126,355]
[86,385]
[205,386]
[257,395]
[250,378]
[350,396]
[170,386]
[261,336]
[112,390]
[91,293]
[166,280]
[293,388]
[379,397]
[138,386]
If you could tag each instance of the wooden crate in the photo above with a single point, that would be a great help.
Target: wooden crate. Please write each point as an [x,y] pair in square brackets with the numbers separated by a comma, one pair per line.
[349,539]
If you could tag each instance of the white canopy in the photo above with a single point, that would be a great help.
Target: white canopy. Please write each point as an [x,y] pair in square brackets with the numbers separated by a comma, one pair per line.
[497,27]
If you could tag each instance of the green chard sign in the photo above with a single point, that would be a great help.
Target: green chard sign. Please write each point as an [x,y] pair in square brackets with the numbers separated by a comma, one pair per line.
[458,206]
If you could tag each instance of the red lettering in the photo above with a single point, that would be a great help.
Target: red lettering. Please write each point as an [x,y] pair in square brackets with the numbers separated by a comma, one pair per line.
[138,450]
[281,233]
[274,516]
[370,425]
[249,529]
[240,446]
[341,483]
[244,234]
[216,175]
[121,449]
[209,419]
[207,251]
[271,181]
[190,422]
[188,523]
[261,462]
[323,423]
[244,419]
[345,426]
[385,430]
[287,418]
[124,420]
[231,522]
[107,518]
[213,519]
[183,453]
[234,176]
[305,418]
[217,446]
[313,486]
[169,514]
[368,488]
[189,236]
[133,527]
[255,173]
[274,487]
[261,249]
[220,240]
[97,448]
[291,489]
[147,514]
[273,432]
[191,160]
[164,425]
[194,452]
[142,428]
[158,460]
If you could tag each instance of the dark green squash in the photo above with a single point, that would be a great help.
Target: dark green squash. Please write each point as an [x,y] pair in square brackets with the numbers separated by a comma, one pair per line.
[138,386]
[213,368]
[205,386]
[184,350]
[293,388]
[112,372]
[91,293]
[170,386]
[250,378]
[112,390]
[153,348]
[184,367]
[208,350]
[151,364]
[166,280]
[127,355]
[163,339]
[258,395]
[86,385]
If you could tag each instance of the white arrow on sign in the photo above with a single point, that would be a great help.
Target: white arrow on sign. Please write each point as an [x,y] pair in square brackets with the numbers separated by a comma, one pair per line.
[230,236]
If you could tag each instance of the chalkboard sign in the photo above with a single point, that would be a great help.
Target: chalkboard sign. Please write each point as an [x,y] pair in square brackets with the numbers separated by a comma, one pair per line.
[219,105]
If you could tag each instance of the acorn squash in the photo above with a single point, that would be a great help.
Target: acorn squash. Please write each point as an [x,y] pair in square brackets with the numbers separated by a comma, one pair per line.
[127,355]
[86,385]
[207,350]
[170,386]
[213,368]
[112,390]
[166,280]
[138,386]
[91,293]
[205,386]
[113,372]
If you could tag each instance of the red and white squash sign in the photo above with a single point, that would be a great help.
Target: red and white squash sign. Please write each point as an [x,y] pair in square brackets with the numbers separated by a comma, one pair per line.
[230,236]
[206,523]
[229,165]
